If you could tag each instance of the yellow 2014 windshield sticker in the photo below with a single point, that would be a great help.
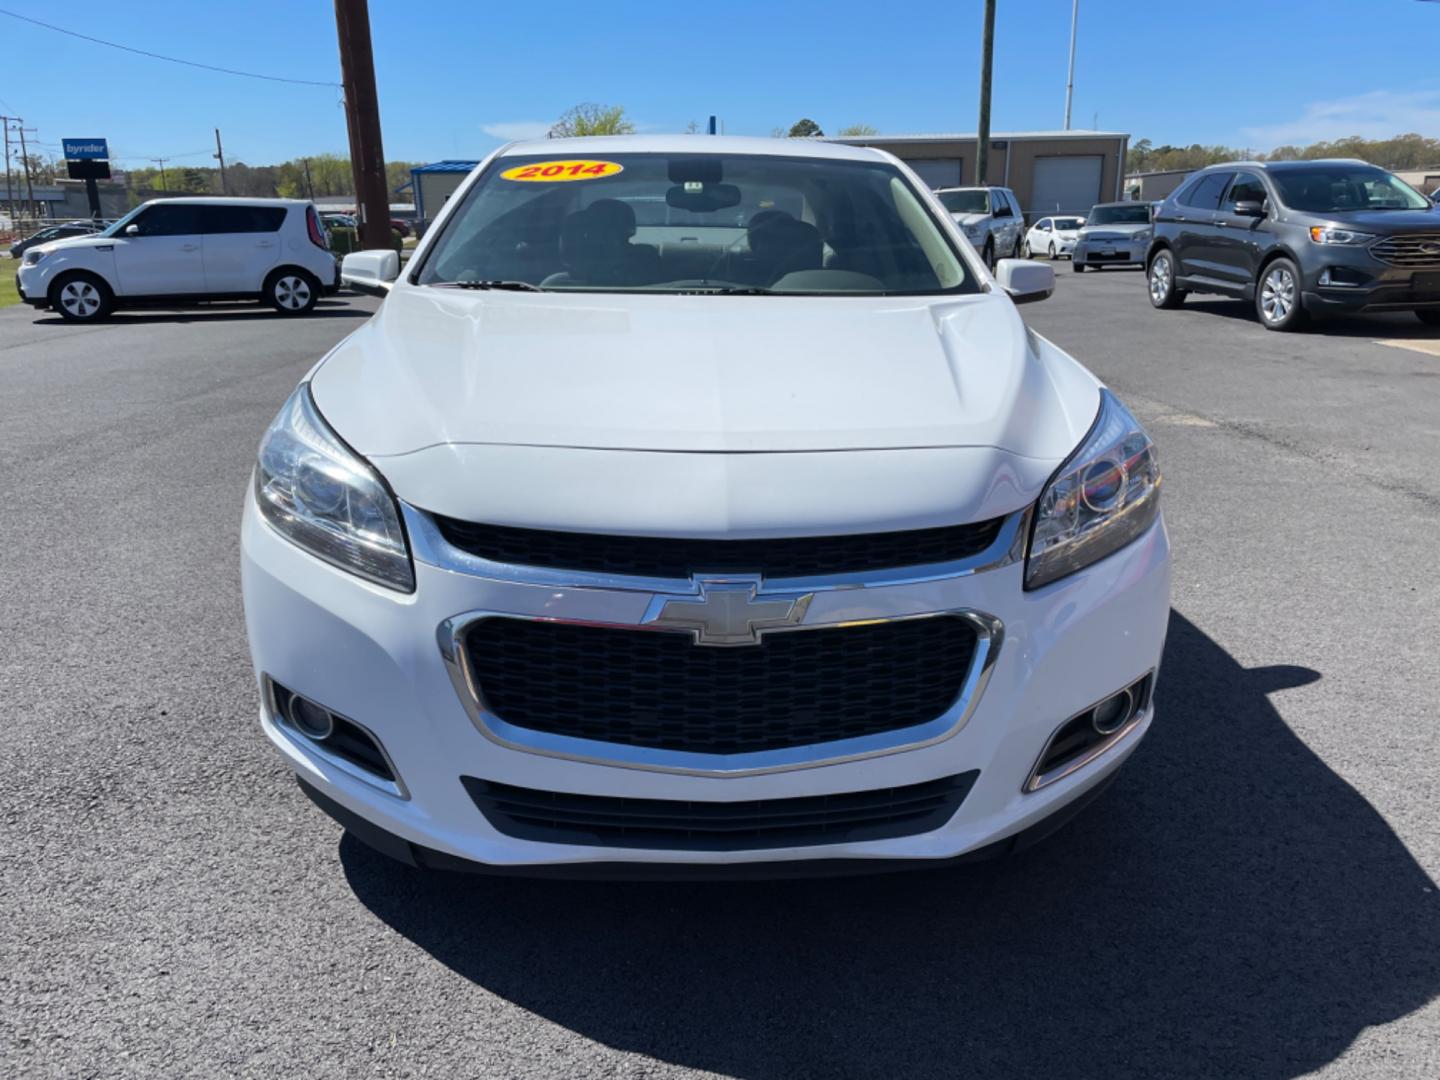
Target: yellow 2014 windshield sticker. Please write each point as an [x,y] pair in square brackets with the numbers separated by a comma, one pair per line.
[551,172]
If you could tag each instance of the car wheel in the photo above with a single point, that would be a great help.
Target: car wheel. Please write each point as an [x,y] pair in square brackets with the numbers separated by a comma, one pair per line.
[1077,266]
[292,292]
[81,298]
[1053,256]
[1028,253]
[1277,300]
[1016,253]
[1429,316]
[989,255]
[1163,291]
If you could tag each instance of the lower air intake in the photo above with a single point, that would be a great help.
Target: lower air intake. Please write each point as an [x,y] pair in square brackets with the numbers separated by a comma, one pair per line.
[554,817]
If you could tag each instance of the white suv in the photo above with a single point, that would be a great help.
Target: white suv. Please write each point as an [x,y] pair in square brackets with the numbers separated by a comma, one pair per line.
[170,251]
[990,218]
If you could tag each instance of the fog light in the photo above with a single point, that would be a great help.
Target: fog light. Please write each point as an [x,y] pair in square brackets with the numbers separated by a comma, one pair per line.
[1111,714]
[311,719]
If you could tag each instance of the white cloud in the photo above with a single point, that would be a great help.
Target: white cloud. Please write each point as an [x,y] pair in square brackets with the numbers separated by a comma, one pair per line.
[516,130]
[1376,115]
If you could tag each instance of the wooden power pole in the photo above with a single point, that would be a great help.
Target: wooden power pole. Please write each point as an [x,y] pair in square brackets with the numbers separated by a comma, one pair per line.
[987,54]
[362,117]
[220,155]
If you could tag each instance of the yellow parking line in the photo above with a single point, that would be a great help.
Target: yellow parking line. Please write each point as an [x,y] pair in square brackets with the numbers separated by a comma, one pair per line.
[1429,348]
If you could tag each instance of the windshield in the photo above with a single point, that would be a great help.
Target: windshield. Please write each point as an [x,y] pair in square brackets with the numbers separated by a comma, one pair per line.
[1328,189]
[1064,223]
[1131,214]
[969,201]
[657,222]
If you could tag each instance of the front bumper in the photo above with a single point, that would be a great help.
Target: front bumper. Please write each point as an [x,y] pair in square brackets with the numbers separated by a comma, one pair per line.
[1119,253]
[375,656]
[1344,279]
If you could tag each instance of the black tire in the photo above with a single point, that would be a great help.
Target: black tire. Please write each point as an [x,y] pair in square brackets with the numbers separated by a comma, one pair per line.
[1278,302]
[81,297]
[1053,256]
[989,255]
[1016,253]
[1028,253]
[291,291]
[1078,267]
[1429,316]
[1160,281]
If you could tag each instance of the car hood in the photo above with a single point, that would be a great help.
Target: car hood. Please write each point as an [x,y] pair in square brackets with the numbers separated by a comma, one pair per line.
[970,219]
[1388,221]
[73,242]
[1113,230]
[445,387]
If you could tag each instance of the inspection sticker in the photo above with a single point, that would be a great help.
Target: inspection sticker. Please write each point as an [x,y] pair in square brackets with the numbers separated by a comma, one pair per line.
[551,172]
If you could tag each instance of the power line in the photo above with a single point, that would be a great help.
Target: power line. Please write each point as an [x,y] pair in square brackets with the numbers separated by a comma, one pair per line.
[170,59]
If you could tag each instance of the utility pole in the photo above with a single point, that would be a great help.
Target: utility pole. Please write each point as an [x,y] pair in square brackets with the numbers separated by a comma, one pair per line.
[164,184]
[1070,82]
[309,184]
[9,191]
[987,55]
[220,155]
[25,160]
[362,117]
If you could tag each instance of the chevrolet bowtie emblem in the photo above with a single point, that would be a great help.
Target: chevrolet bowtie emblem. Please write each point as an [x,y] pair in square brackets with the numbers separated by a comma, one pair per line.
[728,611]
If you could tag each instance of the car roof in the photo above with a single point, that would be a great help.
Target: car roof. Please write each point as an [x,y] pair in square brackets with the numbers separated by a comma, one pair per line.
[227,200]
[1286,166]
[600,145]
[973,187]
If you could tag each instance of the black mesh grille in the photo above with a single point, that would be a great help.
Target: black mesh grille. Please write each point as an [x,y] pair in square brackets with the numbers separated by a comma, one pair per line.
[558,818]
[660,690]
[657,556]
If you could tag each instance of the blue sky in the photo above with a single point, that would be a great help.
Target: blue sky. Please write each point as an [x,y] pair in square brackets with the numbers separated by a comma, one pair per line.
[457,78]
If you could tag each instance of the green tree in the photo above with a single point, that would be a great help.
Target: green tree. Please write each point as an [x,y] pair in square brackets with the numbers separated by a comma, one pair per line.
[805,129]
[858,129]
[591,119]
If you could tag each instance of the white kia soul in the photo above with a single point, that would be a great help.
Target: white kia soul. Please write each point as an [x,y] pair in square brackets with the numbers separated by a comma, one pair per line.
[175,251]
[702,506]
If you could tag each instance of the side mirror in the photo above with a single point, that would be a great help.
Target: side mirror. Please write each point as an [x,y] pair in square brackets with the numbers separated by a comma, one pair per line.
[132,230]
[1249,208]
[371,272]
[1025,281]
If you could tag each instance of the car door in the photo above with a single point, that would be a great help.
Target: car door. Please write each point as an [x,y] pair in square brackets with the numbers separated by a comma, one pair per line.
[241,246]
[1039,235]
[1002,222]
[1195,239]
[1240,241]
[159,253]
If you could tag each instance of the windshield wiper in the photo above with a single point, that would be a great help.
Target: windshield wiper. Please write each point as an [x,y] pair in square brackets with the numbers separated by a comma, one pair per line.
[728,290]
[510,286]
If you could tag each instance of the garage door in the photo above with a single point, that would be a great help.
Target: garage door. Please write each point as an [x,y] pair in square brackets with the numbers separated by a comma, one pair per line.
[1065,185]
[937,172]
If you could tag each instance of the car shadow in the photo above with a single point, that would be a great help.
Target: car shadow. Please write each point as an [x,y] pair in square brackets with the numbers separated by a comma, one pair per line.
[1231,907]
[1400,324]
[324,309]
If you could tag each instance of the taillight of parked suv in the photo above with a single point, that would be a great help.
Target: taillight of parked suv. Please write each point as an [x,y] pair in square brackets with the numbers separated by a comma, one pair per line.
[317,234]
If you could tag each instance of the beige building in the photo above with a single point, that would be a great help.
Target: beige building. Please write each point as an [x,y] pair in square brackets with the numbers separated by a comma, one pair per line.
[1050,171]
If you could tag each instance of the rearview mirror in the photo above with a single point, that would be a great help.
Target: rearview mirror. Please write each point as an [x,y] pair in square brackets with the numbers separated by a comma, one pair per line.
[132,230]
[1025,281]
[1249,208]
[371,272]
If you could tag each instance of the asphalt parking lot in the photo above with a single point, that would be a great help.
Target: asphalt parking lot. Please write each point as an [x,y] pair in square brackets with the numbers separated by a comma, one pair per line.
[1254,897]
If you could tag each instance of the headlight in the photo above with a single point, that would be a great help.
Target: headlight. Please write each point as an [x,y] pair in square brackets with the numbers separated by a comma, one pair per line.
[1105,495]
[1324,235]
[1141,237]
[321,497]
[34,255]
[975,232]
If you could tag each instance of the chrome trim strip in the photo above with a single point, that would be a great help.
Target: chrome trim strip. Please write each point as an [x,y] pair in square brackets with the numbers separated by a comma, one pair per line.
[1037,780]
[428,546]
[989,633]
[311,748]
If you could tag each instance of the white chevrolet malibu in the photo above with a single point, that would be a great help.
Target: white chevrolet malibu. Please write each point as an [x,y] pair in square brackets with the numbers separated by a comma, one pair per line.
[702,505]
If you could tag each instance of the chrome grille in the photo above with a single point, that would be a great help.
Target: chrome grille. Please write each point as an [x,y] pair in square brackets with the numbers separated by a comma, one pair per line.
[1413,249]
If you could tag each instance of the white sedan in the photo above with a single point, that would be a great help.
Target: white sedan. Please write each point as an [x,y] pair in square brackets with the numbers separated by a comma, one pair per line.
[702,506]
[1053,236]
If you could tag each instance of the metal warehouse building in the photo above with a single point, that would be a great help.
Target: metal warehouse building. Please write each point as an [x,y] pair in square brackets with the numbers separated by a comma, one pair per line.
[1050,171]
[432,184]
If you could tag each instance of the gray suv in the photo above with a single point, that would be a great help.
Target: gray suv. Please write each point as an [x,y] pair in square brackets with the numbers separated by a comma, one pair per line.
[990,217]
[1298,238]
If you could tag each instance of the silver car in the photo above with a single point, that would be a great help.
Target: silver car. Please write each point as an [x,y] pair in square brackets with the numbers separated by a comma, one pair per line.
[990,218]
[1114,234]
